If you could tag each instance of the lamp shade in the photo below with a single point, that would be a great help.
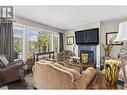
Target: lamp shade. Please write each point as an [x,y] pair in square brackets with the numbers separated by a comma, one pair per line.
[122,34]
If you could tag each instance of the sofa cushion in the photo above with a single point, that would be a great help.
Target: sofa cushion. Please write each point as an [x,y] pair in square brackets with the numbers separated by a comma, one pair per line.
[74,66]
[76,74]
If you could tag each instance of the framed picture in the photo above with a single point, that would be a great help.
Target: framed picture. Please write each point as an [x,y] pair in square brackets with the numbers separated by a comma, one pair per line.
[70,40]
[110,37]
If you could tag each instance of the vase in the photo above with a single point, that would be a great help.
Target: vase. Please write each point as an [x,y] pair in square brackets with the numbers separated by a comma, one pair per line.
[111,72]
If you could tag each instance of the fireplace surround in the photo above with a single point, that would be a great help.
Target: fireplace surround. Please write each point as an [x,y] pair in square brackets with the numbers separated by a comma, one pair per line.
[87,54]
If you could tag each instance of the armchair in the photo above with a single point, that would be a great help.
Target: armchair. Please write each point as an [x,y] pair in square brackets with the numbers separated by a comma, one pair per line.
[11,71]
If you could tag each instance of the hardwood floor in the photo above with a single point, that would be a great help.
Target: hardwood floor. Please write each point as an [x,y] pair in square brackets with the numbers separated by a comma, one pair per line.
[97,83]
[100,83]
[20,84]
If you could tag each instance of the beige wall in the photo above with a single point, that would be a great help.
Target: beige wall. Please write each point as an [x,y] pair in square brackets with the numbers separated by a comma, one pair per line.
[110,26]
[24,21]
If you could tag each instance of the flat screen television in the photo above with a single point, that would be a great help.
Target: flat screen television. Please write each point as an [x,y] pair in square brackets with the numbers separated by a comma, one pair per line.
[86,37]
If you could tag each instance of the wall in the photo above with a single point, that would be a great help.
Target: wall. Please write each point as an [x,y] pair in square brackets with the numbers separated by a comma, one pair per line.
[24,21]
[110,26]
[105,27]
[82,27]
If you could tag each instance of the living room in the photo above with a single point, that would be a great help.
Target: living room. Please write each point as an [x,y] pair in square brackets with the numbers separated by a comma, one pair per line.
[41,47]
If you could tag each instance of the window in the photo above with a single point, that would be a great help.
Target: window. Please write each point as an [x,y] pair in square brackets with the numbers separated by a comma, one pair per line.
[56,42]
[39,41]
[29,40]
[32,41]
[18,41]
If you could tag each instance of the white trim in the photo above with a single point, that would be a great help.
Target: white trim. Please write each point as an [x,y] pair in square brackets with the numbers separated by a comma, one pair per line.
[24,43]
[58,43]
[51,42]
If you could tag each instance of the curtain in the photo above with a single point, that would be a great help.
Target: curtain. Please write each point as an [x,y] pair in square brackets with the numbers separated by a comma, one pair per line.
[6,39]
[60,42]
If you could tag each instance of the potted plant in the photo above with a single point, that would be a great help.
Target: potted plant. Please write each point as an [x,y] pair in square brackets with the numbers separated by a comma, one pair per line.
[30,61]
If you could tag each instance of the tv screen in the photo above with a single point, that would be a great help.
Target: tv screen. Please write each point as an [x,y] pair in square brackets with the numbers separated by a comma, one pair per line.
[90,36]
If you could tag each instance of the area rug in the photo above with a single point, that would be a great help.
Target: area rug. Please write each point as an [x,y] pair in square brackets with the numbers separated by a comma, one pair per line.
[29,78]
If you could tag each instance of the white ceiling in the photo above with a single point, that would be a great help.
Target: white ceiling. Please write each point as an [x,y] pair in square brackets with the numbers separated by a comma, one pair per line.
[68,17]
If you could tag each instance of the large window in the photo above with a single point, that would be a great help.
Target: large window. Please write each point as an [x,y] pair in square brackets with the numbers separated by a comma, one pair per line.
[18,41]
[39,41]
[33,40]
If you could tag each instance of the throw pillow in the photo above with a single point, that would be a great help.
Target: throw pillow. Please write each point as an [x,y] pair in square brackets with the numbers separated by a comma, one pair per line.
[74,66]
[76,74]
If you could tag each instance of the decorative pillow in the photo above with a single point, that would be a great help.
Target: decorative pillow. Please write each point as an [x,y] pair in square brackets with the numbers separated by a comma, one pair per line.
[74,66]
[76,74]
[4,59]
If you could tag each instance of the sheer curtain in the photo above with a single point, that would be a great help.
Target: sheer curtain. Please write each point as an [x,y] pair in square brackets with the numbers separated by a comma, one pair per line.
[6,39]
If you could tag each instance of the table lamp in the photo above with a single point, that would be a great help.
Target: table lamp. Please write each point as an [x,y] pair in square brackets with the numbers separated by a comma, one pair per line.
[122,37]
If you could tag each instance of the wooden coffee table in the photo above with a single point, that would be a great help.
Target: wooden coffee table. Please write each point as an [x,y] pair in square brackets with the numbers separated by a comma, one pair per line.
[100,83]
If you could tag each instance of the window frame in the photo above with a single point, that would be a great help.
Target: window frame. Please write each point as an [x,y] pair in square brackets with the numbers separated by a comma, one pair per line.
[26,38]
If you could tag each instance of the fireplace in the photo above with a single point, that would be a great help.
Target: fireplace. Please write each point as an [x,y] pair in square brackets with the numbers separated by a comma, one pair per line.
[87,57]
[87,54]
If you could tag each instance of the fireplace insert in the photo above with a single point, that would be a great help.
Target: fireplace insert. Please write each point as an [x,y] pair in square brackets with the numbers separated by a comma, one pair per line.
[87,57]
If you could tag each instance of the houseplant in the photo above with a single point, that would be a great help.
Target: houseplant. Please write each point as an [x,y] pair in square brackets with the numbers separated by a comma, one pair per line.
[30,61]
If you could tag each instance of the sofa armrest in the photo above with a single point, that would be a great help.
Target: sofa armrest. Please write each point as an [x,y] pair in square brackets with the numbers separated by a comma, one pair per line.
[33,69]
[87,76]
[11,67]
[18,61]
[11,73]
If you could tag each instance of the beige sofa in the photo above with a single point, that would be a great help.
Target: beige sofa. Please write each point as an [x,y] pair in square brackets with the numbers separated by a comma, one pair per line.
[49,75]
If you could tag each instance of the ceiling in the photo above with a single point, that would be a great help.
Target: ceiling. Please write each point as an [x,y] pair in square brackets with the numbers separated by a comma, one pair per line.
[68,17]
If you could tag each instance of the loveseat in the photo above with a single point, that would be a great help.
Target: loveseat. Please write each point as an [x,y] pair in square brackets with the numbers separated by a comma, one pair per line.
[52,75]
